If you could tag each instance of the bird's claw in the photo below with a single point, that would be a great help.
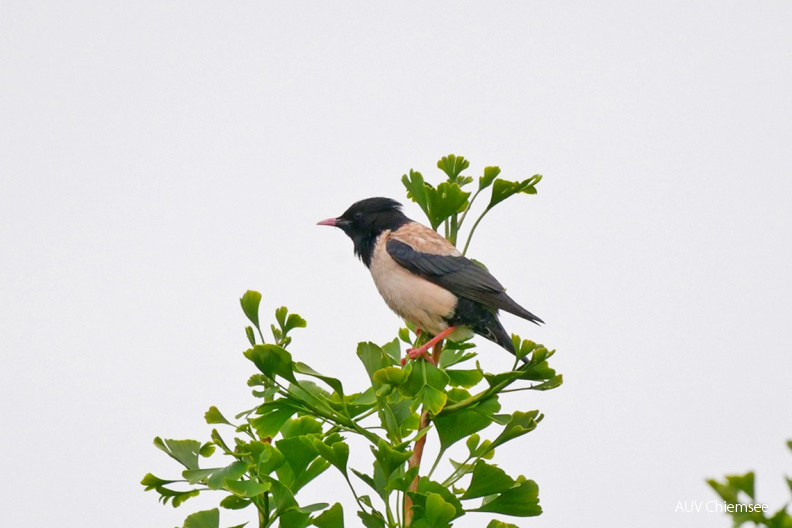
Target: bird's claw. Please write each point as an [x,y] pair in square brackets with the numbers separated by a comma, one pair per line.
[415,353]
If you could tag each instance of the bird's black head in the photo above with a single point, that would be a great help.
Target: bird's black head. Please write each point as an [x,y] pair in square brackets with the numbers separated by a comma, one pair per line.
[365,220]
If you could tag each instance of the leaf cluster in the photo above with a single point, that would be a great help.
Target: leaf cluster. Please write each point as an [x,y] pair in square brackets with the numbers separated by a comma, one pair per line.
[301,425]
[735,489]
[303,421]
[447,203]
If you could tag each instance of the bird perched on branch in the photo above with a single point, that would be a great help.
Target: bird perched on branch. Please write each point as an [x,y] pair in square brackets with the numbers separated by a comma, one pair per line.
[424,278]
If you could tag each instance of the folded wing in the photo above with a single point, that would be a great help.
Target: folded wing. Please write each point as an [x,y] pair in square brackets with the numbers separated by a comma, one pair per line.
[459,275]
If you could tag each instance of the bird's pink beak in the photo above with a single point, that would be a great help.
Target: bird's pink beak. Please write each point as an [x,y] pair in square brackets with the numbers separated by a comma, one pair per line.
[328,222]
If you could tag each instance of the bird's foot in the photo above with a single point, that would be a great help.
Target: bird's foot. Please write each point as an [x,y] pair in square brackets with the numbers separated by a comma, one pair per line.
[415,353]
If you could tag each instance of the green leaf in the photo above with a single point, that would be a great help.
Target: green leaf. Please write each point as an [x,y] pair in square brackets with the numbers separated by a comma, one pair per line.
[464,378]
[358,403]
[166,494]
[218,440]
[525,348]
[520,501]
[207,450]
[371,520]
[438,512]
[232,502]
[416,190]
[427,486]
[316,468]
[519,424]
[433,399]
[151,482]
[373,358]
[444,201]
[280,316]
[392,375]
[195,476]
[299,454]
[781,519]
[552,383]
[333,517]
[487,480]
[389,458]
[308,391]
[495,523]
[273,416]
[490,173]
[302,368]
[530,371]
[272,361]
[269,458]
[423,374]
[393,350]
[539,372]
[453,165]
[744,483]
[472,443]
[453,356]
[250,305]
[294,518]
[203,519]
[435,377]
[458,425]
[176,497]
[503,189]
[247,488]
[215,477]
[304,425]
[250,335]
[294,321]
[403,482]
[437,203]
[495,379]
[337,454]
[366,478]
[214,416]
[282,496]
[185,452]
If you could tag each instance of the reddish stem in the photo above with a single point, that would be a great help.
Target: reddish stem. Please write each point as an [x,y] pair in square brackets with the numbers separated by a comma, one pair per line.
[415,459]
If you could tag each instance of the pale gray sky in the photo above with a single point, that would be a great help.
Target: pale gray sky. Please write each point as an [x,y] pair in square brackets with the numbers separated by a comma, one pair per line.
[158,159]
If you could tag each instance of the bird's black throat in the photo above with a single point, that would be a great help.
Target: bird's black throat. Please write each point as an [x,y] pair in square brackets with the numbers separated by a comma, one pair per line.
[366,220]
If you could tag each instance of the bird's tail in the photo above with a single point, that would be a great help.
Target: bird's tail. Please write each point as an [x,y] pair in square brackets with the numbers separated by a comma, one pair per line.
[507,304]
[497,334]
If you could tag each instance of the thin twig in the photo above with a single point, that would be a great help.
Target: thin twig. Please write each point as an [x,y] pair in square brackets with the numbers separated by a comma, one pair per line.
[470,204]
[473,229]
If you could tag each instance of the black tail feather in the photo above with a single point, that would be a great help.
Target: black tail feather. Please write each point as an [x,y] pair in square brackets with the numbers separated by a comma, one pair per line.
[484,321]
[507,304]
[497,334]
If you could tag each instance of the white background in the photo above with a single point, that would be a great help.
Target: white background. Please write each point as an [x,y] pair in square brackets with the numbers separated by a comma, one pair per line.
[157,159]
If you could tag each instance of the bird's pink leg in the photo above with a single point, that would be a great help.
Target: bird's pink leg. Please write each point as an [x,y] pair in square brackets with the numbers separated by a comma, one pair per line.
[414,353]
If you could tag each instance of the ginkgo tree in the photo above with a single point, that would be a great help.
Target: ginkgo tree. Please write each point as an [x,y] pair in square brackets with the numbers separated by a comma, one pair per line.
[301,423]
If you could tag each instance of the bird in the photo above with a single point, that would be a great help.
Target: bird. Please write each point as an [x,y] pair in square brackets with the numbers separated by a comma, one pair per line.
[424,278]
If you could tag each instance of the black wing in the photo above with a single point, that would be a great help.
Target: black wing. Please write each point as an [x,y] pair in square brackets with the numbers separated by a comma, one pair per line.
[458,275]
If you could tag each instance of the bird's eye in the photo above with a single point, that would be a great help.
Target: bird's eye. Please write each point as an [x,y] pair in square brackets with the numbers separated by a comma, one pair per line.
[358,215]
